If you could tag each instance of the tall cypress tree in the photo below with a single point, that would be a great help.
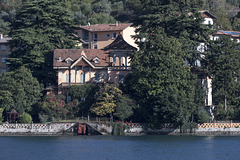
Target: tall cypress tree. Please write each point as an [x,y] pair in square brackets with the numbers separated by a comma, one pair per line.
[40,27]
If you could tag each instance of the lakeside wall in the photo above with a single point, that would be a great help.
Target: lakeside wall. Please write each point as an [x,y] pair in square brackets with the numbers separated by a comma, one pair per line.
[138,129]
[34,128]
[202,129]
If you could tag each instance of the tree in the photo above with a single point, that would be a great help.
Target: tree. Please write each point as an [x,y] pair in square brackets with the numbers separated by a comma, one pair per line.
[54,106]
[40,27]
[235,21]
[106,99]
[124,108]
[162,83]
[82,98]
[180,19]
[19,90]
[223,63]
[25,118]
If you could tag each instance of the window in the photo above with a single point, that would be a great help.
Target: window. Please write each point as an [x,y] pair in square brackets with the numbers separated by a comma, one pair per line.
[68,78]
[95,46]
[95,37]
[96,61]
[69,98]
[114,35]
[3,59]
[82,78]
[108,35]
[114,58]
[3,47]
[97,77]
[68,60]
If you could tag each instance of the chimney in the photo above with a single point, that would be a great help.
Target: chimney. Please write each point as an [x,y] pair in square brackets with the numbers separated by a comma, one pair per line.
[59,59]
[116,23]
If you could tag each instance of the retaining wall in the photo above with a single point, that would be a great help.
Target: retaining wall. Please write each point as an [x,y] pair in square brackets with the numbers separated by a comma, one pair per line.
[203,129]
[52,128]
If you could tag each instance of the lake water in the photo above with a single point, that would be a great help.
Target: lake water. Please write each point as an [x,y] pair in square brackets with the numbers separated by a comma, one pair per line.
[160,147]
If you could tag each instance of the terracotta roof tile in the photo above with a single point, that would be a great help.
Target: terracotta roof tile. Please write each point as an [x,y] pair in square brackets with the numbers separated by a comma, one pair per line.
[120,44]
[207,14]
[75,54]
[106,27]
[229,33]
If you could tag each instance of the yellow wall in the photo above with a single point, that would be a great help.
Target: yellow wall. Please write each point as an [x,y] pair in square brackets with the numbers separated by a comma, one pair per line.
[103,39]
[75,75]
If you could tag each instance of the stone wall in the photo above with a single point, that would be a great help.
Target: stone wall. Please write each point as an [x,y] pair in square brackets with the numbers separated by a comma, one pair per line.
[203,129]
[51,128]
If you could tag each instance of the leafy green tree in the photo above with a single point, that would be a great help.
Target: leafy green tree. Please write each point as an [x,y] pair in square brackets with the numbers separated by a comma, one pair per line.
[19,90]
[40,27]
[103,6]
[82,98]
[235,21]
[107,97]
[101,18]
[223,63]
[125,107]
[25,118]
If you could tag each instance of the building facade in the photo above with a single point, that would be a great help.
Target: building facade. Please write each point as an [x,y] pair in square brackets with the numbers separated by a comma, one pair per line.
[4,52]
[78,66]
[99,36]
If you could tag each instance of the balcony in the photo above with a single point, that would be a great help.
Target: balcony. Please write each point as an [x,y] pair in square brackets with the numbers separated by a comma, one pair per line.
[126,68]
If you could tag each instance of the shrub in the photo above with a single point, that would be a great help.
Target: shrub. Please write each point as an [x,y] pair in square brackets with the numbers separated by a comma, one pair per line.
[25,118]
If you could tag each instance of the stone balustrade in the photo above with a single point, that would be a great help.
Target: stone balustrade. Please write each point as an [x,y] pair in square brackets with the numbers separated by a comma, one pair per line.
[219,125]
[35,128]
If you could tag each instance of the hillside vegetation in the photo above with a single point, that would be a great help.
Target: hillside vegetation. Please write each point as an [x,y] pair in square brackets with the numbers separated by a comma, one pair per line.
[109,11]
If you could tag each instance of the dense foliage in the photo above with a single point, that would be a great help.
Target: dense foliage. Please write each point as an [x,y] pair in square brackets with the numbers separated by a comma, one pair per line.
[161,84]
[54,107]
[39,28]
[109,11]
[25,118]
[19,90]
[223,63]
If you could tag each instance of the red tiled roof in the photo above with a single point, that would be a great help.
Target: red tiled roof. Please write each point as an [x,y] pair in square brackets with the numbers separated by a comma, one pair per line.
[228,33]
[75,54]
[207,14]
[120,44]
[106,27]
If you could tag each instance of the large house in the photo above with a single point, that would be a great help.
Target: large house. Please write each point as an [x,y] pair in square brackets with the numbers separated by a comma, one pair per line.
[4,52]
[99,36]
[77,66]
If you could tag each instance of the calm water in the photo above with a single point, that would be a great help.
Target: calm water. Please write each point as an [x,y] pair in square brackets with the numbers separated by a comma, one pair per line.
[120,148]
